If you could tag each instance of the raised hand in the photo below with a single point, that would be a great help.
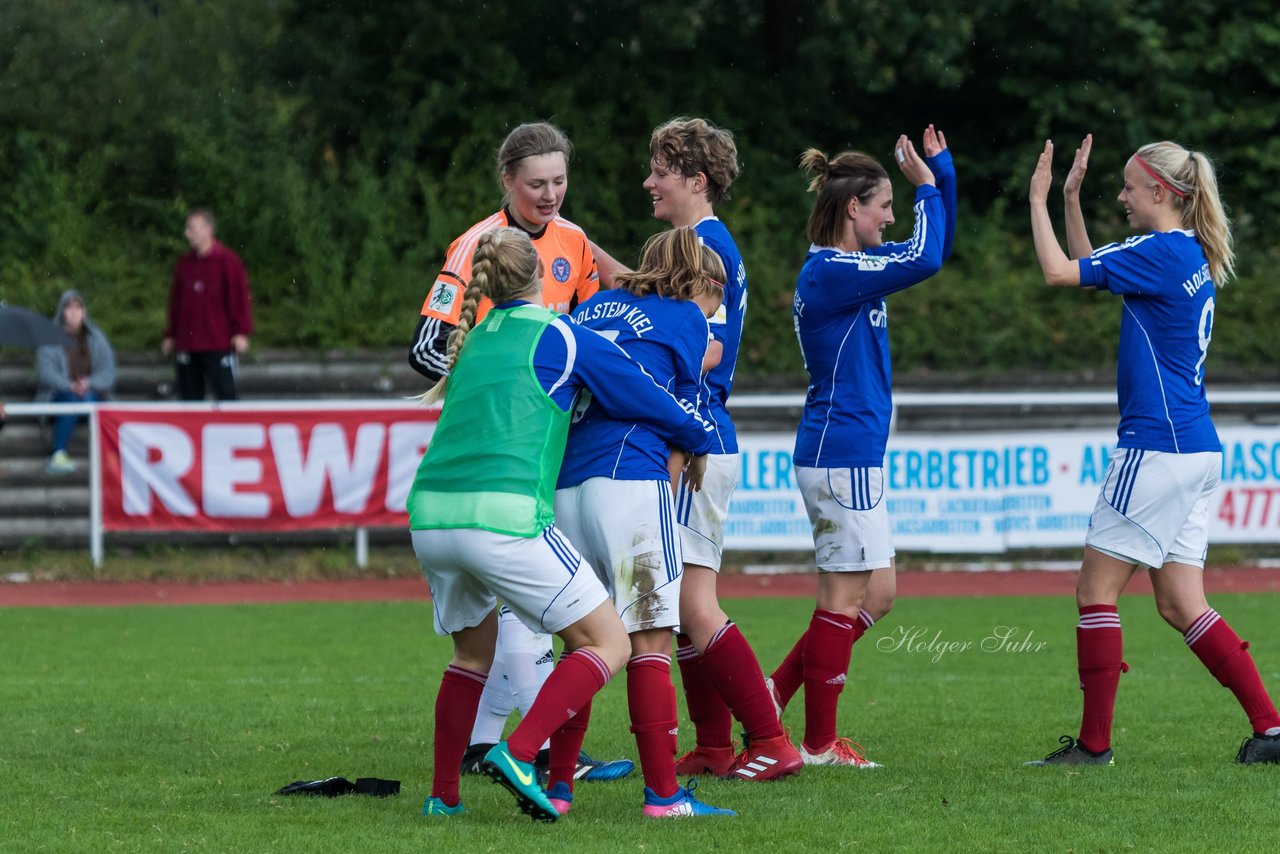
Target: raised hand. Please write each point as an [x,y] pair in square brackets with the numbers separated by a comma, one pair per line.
[1071,187]
[1042,178]
[913,167]
[934,142]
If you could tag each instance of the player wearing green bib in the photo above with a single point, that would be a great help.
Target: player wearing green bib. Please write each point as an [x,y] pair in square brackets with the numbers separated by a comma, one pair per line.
[480,510]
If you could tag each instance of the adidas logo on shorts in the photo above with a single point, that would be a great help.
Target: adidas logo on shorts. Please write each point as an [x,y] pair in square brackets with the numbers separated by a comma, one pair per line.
[836,680]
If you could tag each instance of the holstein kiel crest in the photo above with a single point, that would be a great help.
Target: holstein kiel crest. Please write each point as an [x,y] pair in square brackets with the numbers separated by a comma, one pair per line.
[560,269]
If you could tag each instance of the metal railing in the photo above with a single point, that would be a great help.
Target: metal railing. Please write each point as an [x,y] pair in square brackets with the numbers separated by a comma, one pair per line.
[902,400]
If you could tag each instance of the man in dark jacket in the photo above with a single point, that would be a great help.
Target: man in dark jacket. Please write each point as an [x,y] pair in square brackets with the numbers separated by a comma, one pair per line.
[209,318]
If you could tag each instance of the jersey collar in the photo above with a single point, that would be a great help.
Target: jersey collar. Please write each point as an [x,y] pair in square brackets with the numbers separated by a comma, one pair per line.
[515,223]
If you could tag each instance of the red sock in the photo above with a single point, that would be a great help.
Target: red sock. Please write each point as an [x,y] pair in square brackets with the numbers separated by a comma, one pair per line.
[789,676]
[827,646]
[456,705]
[1099,649]
[566,746]
[1220,649]
[712,723]
[731,666]
[566,694]
[651,698]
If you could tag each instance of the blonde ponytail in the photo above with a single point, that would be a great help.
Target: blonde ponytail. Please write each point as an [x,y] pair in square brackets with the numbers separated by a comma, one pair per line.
[505,267]
[1193,183]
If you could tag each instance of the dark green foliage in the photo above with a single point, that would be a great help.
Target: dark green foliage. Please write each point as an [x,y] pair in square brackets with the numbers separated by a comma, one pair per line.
[343,145]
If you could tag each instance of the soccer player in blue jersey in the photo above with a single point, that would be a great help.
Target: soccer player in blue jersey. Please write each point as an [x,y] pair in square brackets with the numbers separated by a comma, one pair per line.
[842,322]
[614,500]
[1153,509]
[692,165]
[481,509]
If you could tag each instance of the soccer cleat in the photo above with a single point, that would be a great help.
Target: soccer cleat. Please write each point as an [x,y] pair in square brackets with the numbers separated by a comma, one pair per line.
[473,756]
[521,779]
[680,805]
[602,772]
[1259,748]
[60,463]
[715,761]
[1074,753]
[560,796]
[842,751]
[435,806]
[766,759]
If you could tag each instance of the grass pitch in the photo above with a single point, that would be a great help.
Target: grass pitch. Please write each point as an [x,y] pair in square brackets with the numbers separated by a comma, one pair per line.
[169,728]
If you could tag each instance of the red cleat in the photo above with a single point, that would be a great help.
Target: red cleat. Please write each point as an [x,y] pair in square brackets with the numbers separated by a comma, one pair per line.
[715,761]
[766,759]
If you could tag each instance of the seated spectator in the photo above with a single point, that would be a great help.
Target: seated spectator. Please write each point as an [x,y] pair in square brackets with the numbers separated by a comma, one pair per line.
[82,370]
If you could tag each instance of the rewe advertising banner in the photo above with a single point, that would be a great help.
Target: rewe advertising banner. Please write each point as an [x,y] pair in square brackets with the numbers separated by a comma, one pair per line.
[259,470]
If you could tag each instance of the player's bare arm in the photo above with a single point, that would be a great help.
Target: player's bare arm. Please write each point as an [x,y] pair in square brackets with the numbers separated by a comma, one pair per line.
[608,266]
[1078,244]
[1058,269]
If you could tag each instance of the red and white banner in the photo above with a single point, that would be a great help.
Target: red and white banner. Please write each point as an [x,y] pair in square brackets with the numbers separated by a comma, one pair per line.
[233,469]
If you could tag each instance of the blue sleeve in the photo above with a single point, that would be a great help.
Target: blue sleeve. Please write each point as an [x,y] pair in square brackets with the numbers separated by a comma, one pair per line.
[690,348]
[1133,267]
[849,279]
[944,172]
[569,357]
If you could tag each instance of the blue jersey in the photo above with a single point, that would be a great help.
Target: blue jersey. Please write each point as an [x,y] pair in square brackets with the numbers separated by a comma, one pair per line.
[665,337]
[1164,338]
[726,327]
[843,325]
[568,360]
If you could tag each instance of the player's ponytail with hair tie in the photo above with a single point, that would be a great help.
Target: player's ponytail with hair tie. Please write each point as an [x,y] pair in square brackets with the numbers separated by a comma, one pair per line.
[1191,178]
[815,161]
[849,175]
[504,268]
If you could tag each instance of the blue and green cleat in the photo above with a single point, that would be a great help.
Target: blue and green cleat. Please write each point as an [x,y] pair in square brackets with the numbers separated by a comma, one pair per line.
[435,806]
[521,779]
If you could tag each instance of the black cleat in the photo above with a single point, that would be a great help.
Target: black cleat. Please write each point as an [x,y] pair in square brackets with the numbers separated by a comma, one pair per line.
[1259,748]
[1073,753]
[474,756]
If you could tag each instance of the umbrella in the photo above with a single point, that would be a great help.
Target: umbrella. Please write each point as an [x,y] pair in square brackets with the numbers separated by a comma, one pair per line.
[21,327]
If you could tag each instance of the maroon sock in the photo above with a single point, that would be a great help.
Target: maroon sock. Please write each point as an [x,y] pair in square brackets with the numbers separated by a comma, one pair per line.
[566,746]
[731,666]
[456,705]
[1099,649]
[827,647]
[651,700]
[789,676]
[565,695]
[712,723]
[1220,649]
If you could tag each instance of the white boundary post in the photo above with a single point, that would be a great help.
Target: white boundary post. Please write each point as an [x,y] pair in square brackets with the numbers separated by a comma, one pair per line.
[362,547]
[95,491]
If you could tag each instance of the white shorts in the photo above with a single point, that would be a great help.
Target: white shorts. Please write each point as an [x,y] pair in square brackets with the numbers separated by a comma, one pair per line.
[1154,507]
[538,578]
[625,529]
[701,514]
[849,516]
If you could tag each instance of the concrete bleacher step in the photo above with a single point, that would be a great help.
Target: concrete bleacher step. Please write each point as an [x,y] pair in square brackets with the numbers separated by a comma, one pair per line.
[40,500]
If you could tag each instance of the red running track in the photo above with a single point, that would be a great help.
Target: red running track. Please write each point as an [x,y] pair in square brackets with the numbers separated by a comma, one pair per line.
[985,583]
